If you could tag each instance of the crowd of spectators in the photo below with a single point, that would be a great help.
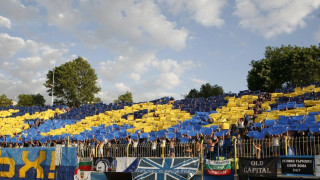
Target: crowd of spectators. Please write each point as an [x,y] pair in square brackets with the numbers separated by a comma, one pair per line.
[185,145]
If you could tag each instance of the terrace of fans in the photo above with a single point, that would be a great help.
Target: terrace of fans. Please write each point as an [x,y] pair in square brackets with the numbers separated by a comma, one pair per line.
[277,121]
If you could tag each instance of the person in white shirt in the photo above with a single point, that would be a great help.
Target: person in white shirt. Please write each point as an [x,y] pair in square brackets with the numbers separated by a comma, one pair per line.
[276,145]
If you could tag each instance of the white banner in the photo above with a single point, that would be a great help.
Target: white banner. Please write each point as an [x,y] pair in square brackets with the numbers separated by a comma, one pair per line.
[83,175]
[123,163]
[57,160]
[317,162]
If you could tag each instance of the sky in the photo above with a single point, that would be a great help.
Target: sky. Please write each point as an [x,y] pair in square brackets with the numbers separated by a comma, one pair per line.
[152,48]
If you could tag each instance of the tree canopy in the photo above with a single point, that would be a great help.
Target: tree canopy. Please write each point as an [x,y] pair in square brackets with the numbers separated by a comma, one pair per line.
[5,101]
[38,100]
[206,90]
[126,97]
[285,66]
[75,83]
[31,100]
[25,100]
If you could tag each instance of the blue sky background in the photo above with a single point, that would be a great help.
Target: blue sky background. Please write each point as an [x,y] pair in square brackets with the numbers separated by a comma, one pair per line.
[153,48]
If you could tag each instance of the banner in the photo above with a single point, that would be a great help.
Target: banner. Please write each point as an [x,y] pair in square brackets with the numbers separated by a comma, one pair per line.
[58,150]
[126,164]
[258,167]
[317,163]
[83,175]
[68,163]
[291,165]
[103,164]
[118,175]
[35,163]
[219,167]
[85,164]
[163,168]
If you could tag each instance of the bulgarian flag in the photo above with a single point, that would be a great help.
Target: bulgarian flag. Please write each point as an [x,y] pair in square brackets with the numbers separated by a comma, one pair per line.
[219,167]
[84,164]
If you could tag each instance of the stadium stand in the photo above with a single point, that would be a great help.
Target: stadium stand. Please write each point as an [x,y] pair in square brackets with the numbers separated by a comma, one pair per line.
[177,126]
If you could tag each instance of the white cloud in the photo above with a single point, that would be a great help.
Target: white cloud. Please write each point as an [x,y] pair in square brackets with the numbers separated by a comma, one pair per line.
[135,76]
[273,17]
[170,72]
[168,80]
[5,22]
[110,22]
[122,87]
[205,12]
[160,78]
[18,12]
[9,45]
[198,82]
[24,65]
[60,13]
[131,61]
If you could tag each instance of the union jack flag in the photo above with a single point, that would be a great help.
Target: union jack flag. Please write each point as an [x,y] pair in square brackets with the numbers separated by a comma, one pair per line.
[166,168]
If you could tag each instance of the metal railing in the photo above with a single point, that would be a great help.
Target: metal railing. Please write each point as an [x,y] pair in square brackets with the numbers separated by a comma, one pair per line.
[250,148]
[269,147]
[142,150]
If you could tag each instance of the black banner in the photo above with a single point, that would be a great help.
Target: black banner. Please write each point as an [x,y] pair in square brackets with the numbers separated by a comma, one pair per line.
[103,164]
[118,175]
[265,167]
[297,165]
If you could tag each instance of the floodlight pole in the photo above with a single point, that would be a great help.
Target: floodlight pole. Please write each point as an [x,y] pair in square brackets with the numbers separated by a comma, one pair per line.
[52,90]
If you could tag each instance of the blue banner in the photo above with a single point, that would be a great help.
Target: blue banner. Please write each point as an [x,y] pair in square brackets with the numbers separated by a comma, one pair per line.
[161,168]
[35,163]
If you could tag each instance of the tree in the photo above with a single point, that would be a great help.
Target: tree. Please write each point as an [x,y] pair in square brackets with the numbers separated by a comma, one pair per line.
[259,77]
[31,100]
[25,100]
[38,100]
[75,83]
[285,66]
[126,97]
[193,93]
[206,90]
[5,101]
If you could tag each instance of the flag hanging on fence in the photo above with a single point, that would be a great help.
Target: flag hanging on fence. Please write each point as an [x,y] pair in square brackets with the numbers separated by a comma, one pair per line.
[85,164]
[317,164]
[103,164]
[219,167]
[254,167]
[126,164]
[83,175]
[166,168]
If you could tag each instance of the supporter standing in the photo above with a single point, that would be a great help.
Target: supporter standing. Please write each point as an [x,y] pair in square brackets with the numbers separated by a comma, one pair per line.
[276,145]
[100,153]
[211,144]
[81,148]
[172,142]
[257,149]
[241,126]
[153,148]
[93,147]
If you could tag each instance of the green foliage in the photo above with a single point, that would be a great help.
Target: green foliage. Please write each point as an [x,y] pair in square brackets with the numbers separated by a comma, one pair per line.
[193,93]
[206,90]
[5,101]
[126,97]
[285,66]
[75,83]
[38,100]
[25,100]
[31,100]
